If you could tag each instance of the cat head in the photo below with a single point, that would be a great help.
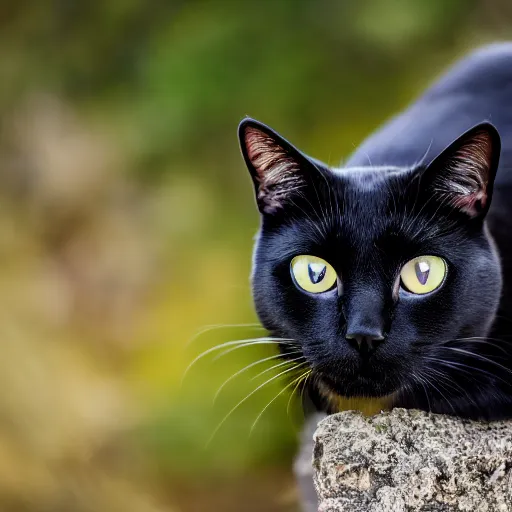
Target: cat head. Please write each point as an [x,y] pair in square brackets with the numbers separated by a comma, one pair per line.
[369,270]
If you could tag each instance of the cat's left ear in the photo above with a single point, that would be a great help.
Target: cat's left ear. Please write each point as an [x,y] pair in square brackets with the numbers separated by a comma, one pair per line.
[463,174]
[278,170]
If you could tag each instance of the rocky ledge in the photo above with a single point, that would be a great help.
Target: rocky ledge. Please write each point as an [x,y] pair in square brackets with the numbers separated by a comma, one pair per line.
[410,460]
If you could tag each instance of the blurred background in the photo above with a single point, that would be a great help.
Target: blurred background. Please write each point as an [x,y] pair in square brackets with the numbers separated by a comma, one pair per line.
[127,220]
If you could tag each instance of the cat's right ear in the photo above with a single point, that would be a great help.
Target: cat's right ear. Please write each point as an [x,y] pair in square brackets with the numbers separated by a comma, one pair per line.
[278,170]
[463,174]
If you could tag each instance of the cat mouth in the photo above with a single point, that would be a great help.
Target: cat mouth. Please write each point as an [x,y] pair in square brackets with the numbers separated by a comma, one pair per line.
[360,393]
[368,405]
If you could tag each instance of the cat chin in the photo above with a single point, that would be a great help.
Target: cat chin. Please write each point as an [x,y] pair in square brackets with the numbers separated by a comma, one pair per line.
[369,403]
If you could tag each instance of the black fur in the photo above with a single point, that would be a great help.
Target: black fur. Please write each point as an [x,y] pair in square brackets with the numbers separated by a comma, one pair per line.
[422,185]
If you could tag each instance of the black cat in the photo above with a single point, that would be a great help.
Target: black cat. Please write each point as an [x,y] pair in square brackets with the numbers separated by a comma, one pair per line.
[391,275]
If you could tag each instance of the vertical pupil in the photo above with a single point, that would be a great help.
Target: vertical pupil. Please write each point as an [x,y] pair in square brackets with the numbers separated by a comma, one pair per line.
[422,269]
[316,272]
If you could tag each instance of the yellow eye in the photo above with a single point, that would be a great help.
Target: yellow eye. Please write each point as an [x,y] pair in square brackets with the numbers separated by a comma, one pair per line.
[423,274]
[313,274]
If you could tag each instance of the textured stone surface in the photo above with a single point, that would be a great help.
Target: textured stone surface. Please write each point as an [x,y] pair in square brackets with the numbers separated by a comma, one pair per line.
[410,460]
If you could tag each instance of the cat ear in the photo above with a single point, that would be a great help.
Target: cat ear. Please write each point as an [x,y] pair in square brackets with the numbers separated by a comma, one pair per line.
[463,174]
[278,169]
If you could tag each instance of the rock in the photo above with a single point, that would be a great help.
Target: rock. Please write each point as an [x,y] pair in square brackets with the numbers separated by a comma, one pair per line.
[408,460]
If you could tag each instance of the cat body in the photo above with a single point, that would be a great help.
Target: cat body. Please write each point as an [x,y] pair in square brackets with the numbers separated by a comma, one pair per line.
[390,278]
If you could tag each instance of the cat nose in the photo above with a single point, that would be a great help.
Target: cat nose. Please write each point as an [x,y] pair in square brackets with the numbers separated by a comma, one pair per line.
[364,342]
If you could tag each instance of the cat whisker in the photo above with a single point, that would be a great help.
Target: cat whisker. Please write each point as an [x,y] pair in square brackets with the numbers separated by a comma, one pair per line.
[473,339]
[477,356]
[254,391]
[294,390]
[482,341]
[446,378]
[245,368]
[284,341]
[214,327]
[312,221]
[454,366]
[297,380]
[420,380]
[467,369]
[310,377]
[330,192]
[431,384]
[283,363]
[478,338]
[422,159]
[244,343]
[414,219]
